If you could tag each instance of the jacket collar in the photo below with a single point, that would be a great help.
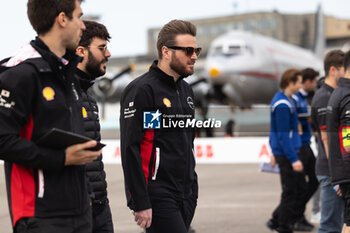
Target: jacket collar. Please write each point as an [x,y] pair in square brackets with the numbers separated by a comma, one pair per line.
[344,82]
[164,76]
[67,63]
[160,73]
[327,87]
[303,92]
[85,80]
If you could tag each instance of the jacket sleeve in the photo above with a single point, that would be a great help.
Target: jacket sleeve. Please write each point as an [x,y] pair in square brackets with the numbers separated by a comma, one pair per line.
[17,99]
[133,103]
[321,113]
[282,113]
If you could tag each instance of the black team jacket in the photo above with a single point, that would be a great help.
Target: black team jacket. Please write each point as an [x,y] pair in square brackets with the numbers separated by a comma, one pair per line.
[36,95]
[158,162]
[338,132]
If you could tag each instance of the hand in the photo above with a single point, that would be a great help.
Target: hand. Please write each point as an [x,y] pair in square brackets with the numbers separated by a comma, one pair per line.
[144,218]
[297,166]
[272,161]
[77,155]
[337,190]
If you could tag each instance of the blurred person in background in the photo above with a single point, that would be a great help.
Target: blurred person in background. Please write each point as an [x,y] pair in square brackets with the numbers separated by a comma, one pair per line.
[338,133]
[306,154]
[285,143]
[331,203]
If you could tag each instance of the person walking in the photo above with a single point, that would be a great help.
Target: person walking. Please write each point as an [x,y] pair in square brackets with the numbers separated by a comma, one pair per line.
[285,143]
[158,162]
[338,134]
[305,154]
[46,187]
[93,48]
[331,204]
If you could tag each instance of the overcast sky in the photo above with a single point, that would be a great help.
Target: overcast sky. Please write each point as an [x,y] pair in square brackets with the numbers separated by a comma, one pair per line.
[128,20]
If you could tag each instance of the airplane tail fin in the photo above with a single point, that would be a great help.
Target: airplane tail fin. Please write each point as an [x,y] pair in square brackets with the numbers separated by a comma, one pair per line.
[320,34]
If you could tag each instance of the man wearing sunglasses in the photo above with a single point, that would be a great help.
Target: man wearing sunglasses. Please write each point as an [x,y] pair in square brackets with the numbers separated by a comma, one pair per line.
[93,48]
[158,161]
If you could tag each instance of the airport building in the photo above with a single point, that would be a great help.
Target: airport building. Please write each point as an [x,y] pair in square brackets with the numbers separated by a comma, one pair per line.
[297,29]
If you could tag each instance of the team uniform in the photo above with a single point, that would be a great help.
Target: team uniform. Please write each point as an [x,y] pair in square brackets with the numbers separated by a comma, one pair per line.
[305,154]
[37,94]
[285,143]
[338,131]
[159,163]
[102,217]
[331,204]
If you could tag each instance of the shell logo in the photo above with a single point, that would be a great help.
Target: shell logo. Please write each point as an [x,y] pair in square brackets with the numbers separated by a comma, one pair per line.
[167,102]
[48,93]
[84,112]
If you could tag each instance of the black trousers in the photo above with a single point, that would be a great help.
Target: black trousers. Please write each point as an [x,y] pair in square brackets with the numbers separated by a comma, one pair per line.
[102,218]
[72,224]
[171,215]
[311,183]
[293,189]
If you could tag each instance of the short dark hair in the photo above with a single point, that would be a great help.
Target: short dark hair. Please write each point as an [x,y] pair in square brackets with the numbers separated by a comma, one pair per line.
[169,31]
[42,13]
[333,58]
[347,61]
[309,74]
[93,29]
[290,75]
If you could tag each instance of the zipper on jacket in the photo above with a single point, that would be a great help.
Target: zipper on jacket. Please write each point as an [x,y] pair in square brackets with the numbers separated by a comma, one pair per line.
[179,98]
[186,157]
[70,115]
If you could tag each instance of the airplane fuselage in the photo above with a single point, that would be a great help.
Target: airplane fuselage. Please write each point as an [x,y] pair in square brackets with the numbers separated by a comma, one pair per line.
[245,68]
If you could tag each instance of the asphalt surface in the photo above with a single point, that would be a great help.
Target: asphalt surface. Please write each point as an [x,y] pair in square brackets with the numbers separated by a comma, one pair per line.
[233,198]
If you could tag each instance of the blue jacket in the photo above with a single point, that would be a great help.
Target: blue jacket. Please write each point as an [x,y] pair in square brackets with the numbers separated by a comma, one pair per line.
[302,110]
[284,135]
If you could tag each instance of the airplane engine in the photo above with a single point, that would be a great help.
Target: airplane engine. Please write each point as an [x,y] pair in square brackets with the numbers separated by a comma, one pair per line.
[110,89]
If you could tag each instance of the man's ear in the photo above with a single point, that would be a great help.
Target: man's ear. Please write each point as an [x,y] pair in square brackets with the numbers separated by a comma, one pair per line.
[62,19]
[166,52]
[332,69]
[80,51]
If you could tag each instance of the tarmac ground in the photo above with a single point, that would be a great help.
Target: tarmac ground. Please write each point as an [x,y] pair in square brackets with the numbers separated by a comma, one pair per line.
[233,198]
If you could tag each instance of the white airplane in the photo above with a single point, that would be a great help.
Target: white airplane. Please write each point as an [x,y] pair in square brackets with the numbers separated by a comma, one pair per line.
[244,68]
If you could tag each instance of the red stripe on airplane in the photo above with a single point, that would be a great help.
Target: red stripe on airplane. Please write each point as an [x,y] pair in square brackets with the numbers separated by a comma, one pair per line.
[146,151]
[290,55]
[22,184]
[260,74]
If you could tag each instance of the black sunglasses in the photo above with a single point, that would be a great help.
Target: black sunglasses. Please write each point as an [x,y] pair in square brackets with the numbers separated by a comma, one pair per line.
[188,50]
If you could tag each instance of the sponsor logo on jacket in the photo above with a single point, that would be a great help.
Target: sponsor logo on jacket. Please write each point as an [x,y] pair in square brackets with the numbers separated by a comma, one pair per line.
[5,99]
[49,93]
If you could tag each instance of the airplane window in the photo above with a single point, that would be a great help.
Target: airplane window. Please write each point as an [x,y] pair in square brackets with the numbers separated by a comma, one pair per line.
[233,49]
[218,50]
[230,50]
